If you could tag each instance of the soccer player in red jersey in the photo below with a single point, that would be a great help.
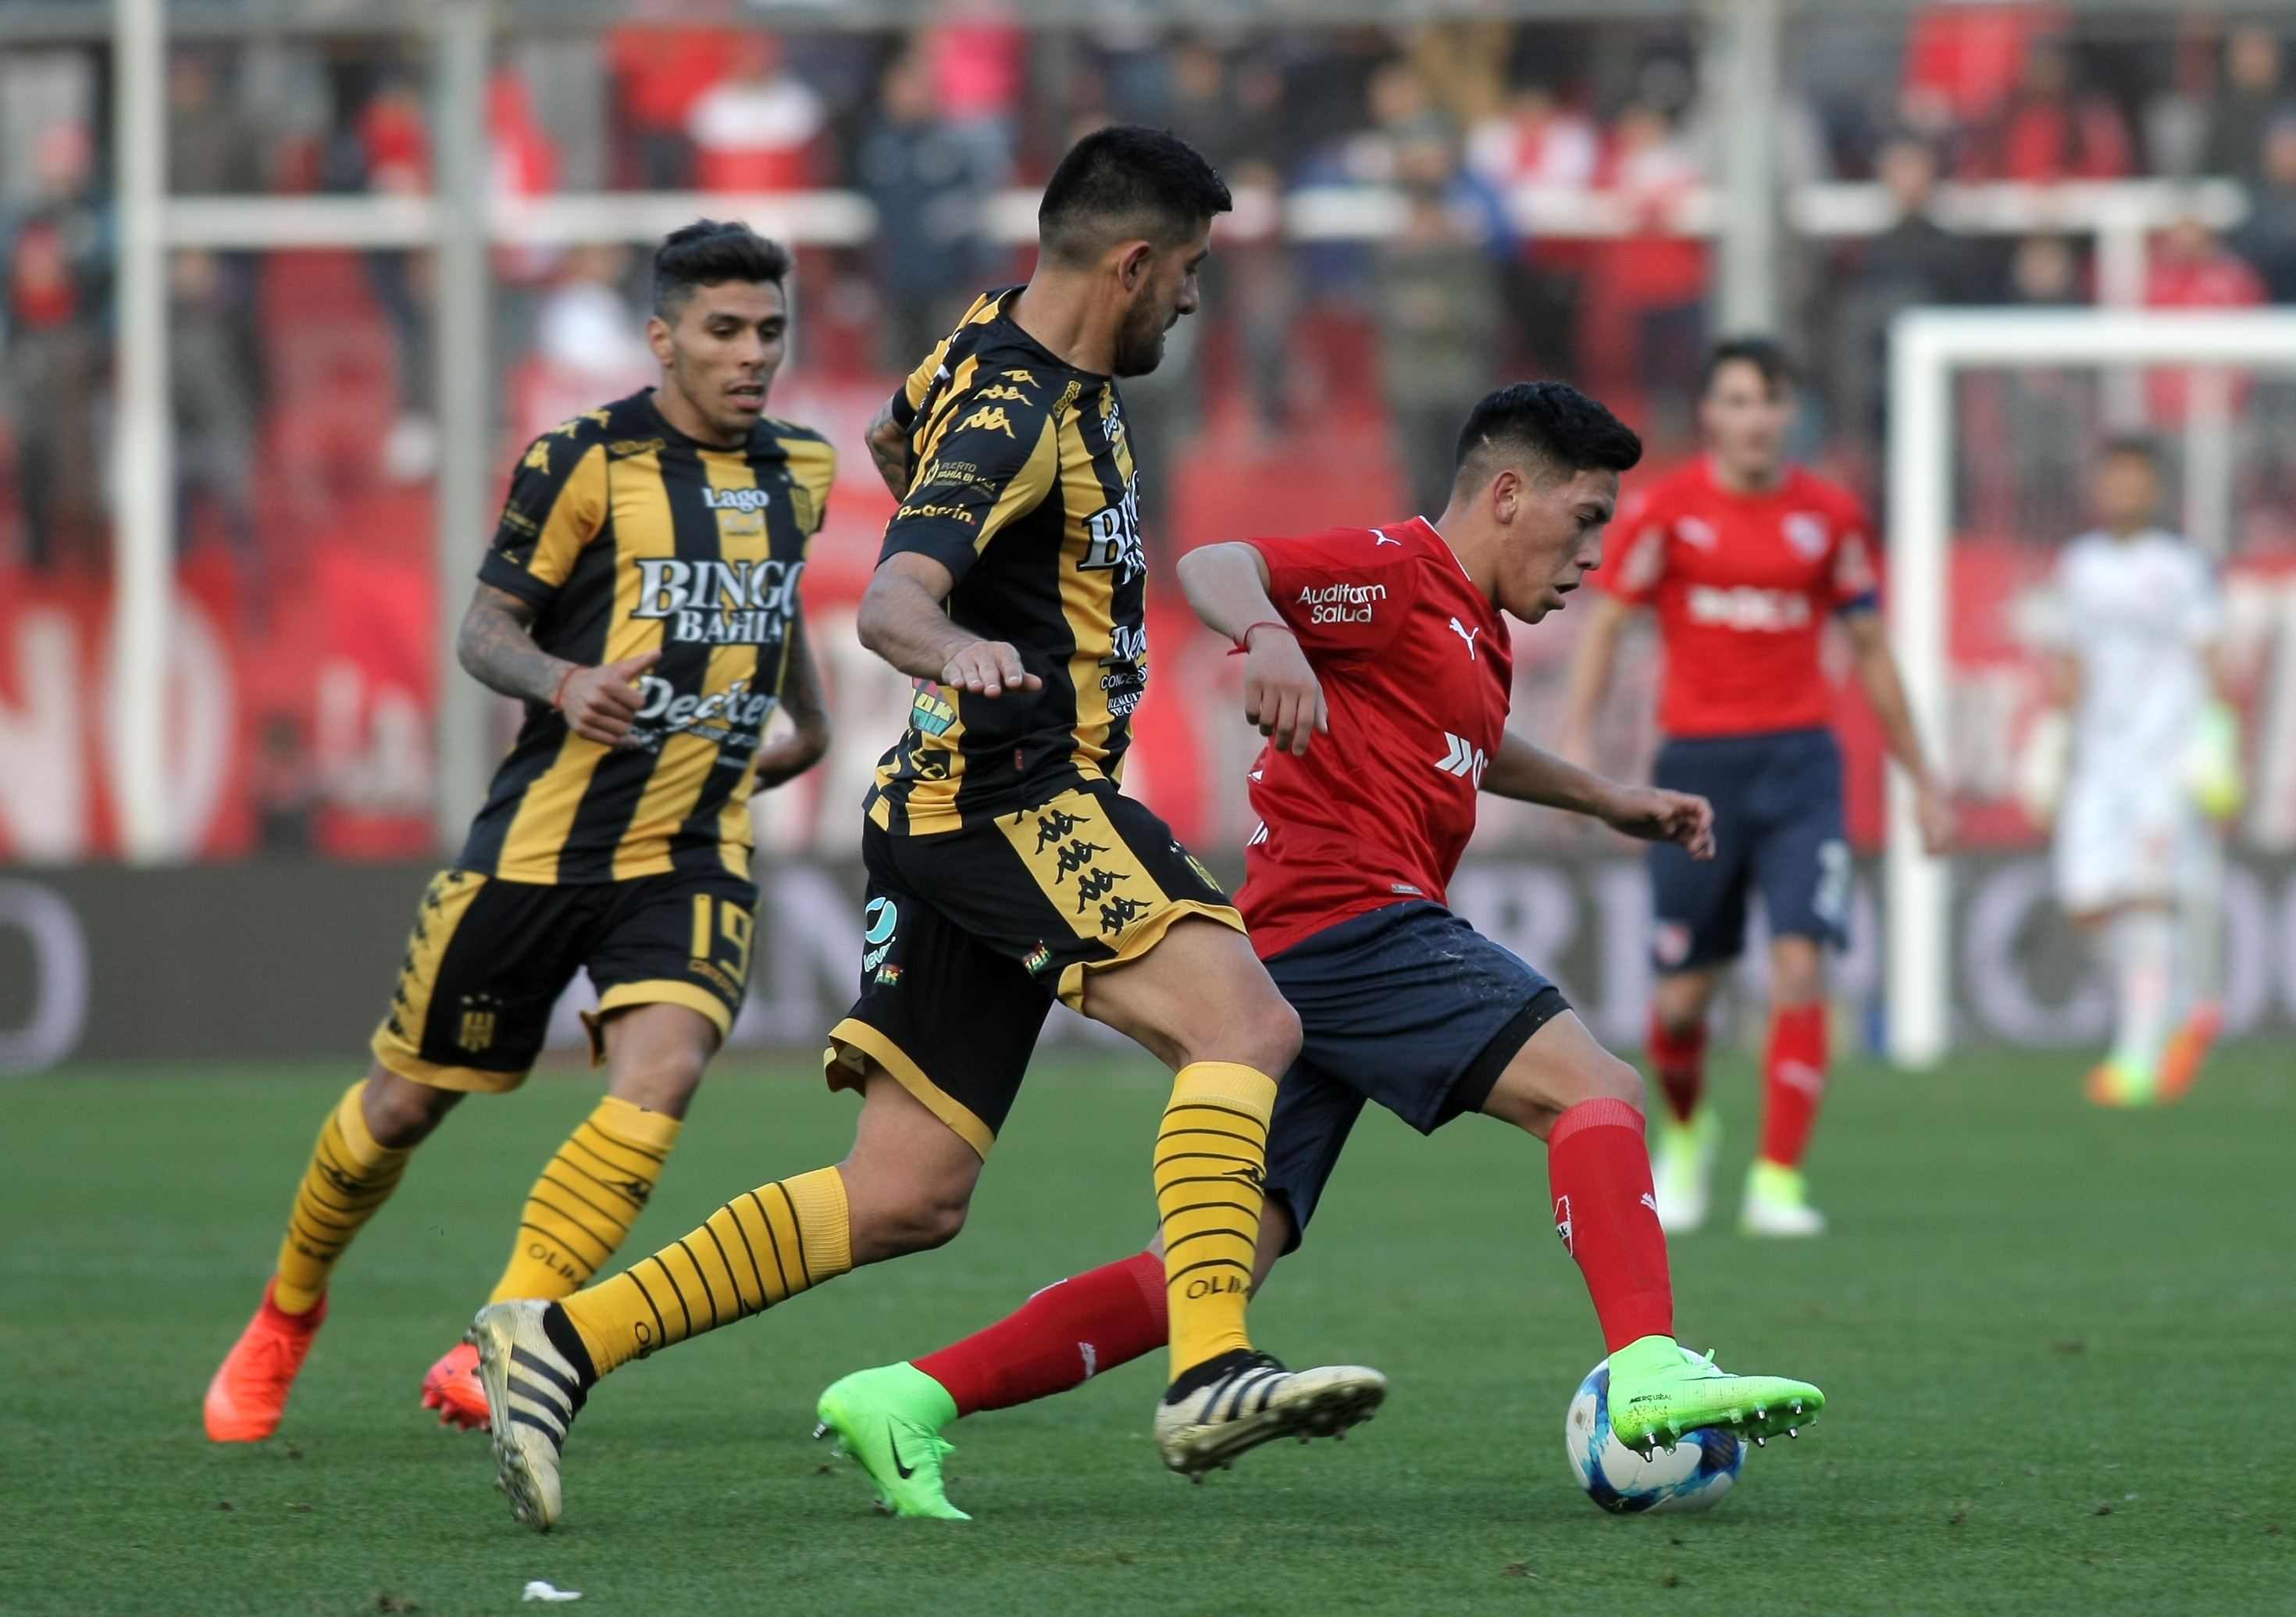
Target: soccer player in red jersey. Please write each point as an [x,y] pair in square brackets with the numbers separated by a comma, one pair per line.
[1744,557]
[1381,669]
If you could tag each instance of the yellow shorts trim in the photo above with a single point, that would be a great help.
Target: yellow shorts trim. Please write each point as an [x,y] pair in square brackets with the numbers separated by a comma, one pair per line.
[658,990]
[396,1057]
[1143,937]
[843,1072]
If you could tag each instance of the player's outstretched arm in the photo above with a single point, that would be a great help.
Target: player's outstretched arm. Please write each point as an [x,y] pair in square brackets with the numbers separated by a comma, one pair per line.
[1528,775]
[905,620]
[1590,674]
[1227,586]
[1877,673]
[496,648]
[782,761]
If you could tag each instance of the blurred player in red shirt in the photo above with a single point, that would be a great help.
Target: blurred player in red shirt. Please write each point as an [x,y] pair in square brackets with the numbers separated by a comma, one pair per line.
[1743,557]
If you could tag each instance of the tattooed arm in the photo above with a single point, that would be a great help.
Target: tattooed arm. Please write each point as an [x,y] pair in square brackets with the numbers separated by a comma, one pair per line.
[782,761]
[496,648]
[888,446]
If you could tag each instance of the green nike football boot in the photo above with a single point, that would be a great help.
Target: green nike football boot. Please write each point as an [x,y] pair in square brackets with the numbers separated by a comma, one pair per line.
[1661,1391]
[890,1420]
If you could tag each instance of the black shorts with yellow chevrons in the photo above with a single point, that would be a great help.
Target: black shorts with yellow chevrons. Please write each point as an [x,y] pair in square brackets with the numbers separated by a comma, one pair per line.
[970,934]
[489,959]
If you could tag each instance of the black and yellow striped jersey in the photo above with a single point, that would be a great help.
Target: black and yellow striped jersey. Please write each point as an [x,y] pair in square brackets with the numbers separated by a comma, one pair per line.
[1023,489]
[626,536]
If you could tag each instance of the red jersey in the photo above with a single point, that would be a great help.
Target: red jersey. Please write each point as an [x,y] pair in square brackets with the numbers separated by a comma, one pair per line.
[1743,584]
[1417,672]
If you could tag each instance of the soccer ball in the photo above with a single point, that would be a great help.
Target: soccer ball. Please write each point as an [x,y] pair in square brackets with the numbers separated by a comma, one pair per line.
[1692,1475]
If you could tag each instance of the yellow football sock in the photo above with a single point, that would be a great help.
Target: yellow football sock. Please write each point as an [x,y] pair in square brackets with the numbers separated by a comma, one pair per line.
[351,1176]
[1211,1154]
[586,1199]
[758,1250]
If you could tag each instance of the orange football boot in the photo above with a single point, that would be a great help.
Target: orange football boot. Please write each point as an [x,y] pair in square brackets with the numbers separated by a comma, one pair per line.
[452,1388]
[249,1394]
[2188,1046]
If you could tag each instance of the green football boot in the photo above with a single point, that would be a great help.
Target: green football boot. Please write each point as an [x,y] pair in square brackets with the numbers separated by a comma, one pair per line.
[890,1420]
[1660,1393]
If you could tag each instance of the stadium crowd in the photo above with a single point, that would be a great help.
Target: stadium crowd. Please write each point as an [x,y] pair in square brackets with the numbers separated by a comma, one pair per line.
[1402,332]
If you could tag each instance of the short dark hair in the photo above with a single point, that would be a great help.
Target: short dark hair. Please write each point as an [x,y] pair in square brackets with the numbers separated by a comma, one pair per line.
[2130,446]
[1549,426]
[1124,183]
[710,252]
[1763,353]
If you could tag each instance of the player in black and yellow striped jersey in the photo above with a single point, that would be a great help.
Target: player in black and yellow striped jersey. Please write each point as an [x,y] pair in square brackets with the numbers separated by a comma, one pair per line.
[1005,865]
[642,596]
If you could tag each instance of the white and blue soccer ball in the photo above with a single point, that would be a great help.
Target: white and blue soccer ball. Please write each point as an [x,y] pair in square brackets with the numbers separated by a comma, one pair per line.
[1693,1475]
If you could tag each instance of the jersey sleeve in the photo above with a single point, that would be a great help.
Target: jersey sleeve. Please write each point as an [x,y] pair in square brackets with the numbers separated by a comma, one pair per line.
[1852,585]
[557,505]
[1341,592]
[996,459]
[1633,573]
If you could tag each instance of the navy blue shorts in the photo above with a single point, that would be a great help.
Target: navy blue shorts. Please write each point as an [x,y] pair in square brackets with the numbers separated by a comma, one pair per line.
[1777,830]
[1408,1007]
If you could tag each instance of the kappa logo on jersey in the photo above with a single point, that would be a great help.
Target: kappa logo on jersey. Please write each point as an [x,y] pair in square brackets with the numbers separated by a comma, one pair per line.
[1806,534]
[1344,603]
[999,391]
[1112,539]
[740,512]
[718,602]
[1467,634]
[1749,609]
[988,418]
[1461,758]
[1696,533]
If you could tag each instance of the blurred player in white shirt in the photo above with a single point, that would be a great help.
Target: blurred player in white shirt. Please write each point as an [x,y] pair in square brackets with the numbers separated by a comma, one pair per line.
[2154,758]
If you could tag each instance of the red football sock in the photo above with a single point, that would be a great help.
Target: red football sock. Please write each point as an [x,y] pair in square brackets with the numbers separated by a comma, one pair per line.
[1060,1338]
[1793,1082]
[1679,1059]
[1598,1166]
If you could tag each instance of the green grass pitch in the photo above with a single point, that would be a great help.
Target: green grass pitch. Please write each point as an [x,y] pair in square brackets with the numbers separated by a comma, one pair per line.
[2055,1343]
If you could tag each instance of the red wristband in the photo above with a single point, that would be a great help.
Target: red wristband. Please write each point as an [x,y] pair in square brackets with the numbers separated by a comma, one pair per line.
[1243,640]
[558,696]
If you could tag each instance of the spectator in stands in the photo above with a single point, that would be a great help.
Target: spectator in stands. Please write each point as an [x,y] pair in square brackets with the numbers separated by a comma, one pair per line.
[924,179]
[54,254]
[213,391]
[2050,131]
[393,145]
[2045,273]
[1916,261]
[2191,268]
[980,57]
[585,330]
[2267,238]
[756,128]
[1435,297]
[1647,291]
[1536,142]
[659,73]
[2253,98]
[212,151]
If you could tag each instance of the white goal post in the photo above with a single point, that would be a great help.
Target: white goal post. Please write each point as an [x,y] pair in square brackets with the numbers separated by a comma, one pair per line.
[1927,348]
